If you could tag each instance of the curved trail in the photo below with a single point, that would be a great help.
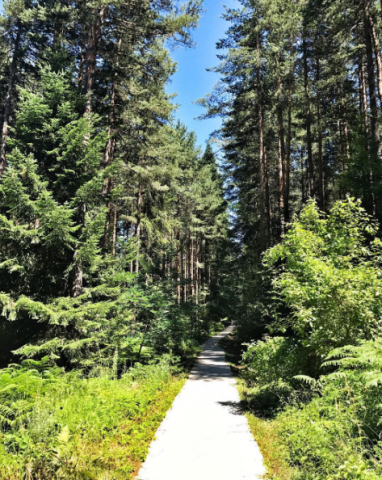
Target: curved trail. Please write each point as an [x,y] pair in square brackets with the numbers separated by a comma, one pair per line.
[205,436]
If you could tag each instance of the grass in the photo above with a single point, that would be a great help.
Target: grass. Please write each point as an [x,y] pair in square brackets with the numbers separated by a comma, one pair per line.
[56,425]
[272,447]
[96,428]
[265,431]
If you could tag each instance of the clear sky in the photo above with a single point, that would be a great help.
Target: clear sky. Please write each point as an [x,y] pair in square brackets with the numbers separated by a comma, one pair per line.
[192,81]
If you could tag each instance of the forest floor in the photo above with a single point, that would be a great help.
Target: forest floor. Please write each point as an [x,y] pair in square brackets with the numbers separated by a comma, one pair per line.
[205,435]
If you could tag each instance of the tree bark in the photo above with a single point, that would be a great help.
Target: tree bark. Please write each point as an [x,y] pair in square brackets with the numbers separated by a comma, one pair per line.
[138,230]
[207,265]
[91,54]
[178,253]
[78,279]
[192,268]
[303,199]
[197,272]
[78,282]
[82,65]
[108,226]
[377,52]
[8,100]
[376,140]
[182,266]
[131,237]
[321,180]
[363,91]
[308,122]
[375,144]
[187,265]
[281,161]
[115,229]
[263,201]
[288,153]
[268,207]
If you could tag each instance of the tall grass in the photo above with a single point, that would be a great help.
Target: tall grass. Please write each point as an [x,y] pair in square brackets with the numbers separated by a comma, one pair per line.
[63,426]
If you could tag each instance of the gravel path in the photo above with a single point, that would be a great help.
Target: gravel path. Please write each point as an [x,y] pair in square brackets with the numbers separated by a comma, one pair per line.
[205,436]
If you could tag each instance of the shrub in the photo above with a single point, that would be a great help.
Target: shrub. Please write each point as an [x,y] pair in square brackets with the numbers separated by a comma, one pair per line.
[272,359]
[337,435]
[328,273]
[272,364]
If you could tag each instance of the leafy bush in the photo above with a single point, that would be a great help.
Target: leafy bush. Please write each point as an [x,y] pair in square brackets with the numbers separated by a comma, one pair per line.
[337,435]
[328,273]
[272,359]
[272,364]
[327,282]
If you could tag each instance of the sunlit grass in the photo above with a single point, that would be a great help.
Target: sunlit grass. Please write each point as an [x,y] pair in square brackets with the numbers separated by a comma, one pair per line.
[96,428]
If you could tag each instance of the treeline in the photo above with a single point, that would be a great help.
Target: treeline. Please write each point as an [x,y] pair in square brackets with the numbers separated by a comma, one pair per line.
[111,219]
[300,96]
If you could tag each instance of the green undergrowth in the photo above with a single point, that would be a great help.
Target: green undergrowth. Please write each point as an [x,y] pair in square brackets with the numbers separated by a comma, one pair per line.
[57,425]
[328,430]
[266,431]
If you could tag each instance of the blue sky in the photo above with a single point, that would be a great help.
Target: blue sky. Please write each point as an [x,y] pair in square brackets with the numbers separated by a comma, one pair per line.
[192,81]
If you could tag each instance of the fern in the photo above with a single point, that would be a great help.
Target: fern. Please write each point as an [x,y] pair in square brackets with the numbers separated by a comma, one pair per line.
[306,379]
[366,359]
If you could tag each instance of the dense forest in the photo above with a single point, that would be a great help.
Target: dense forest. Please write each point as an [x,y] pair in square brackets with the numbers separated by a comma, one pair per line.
[123,244]
[300,97]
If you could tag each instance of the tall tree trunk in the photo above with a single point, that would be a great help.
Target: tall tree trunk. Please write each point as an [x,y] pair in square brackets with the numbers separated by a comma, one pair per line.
[375,144]
[321,180]
[308,122]
[202,260]
[115,222]
[78,281]
[192,269]
[281,162]
[377,53]
[281,158]
[197,271]
[262,201]
[368,194]
[110,148]
[91,54]
[363,91]
[264,210]
[138,230]
[347,145]
[288,153]
[108,225]
[376,140]
[81,69]
[303,197]
[178,253]
[186,265]
[8,100]
[95,31]
[268,207]
[131,237]
[265,206]
[207,265]
[182,269]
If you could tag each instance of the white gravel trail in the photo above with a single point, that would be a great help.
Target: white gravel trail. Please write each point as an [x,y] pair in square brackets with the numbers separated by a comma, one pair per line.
[205,436]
